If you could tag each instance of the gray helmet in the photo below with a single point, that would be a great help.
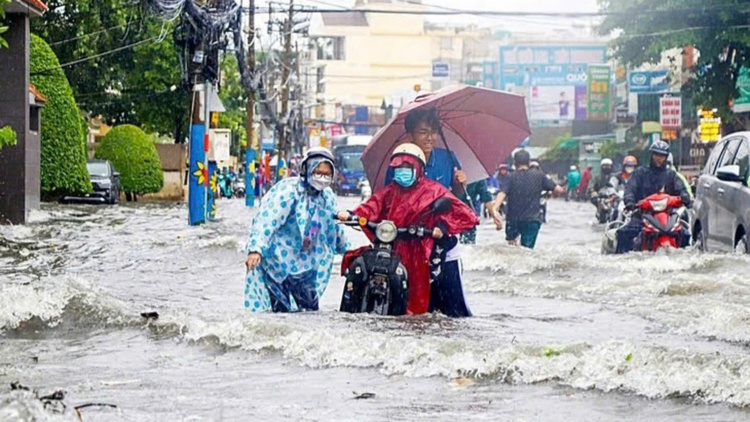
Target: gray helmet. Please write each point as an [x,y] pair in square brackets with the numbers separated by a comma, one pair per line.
[316,152]
[660,147]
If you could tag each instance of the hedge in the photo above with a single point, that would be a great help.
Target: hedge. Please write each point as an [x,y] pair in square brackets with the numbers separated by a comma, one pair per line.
[134,156]
[63,155]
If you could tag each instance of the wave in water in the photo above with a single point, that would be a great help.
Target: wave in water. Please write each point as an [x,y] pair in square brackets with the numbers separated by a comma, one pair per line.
[652,372]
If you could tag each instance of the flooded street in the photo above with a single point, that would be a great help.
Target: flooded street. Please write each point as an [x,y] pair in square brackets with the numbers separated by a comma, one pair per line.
[560,333]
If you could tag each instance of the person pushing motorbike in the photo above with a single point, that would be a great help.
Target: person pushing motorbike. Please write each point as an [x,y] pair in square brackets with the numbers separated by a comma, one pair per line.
[406,201]
[293,239]
[647,181]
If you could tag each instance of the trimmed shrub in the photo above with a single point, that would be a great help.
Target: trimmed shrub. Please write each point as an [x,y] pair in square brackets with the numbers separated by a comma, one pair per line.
[134,156]
[63,155]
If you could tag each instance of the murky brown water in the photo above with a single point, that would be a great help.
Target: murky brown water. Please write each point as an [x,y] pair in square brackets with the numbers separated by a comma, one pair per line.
[560,333]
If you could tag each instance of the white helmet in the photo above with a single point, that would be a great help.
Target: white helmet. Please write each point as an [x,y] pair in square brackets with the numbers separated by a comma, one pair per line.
[573,168]
[410,149]
[607,162]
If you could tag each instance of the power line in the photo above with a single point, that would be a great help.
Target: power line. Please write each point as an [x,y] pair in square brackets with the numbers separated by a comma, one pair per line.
[88,35]
[105,53]
[633,12]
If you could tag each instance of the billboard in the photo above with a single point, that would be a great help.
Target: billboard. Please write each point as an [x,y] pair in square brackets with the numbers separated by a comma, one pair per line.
[599,95]
[648,81]
[554,78]
[552,102]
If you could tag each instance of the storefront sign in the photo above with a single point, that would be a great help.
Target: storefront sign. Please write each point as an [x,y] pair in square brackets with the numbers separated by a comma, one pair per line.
[598,89]
[670,112]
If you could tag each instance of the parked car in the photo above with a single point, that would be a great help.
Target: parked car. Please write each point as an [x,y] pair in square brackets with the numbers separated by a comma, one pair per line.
[105,182]
[722,204]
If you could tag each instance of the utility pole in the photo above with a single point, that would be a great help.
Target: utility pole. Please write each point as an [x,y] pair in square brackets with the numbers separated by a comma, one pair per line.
[284,118]
[249,128]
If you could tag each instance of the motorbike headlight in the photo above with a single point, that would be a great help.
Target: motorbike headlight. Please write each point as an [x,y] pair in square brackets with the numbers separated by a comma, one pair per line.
[386,232]
[660,205]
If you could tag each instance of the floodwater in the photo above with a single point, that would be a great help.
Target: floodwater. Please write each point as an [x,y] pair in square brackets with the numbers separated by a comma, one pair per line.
[560,333]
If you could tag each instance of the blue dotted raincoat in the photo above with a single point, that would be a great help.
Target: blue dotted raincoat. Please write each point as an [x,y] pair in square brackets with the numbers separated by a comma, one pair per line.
[295,232]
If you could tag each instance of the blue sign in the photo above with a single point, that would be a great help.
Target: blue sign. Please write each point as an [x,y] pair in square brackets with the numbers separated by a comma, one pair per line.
[441,70]
[648,82]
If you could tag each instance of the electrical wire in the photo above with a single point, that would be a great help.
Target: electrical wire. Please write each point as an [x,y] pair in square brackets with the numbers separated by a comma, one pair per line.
[102,54]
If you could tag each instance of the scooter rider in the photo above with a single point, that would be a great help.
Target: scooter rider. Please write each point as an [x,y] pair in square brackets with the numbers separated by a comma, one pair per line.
[602,180]
[629,164]
[406,201]
[645,182]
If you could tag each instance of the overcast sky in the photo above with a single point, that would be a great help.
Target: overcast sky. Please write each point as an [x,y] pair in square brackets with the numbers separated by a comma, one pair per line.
[525,24]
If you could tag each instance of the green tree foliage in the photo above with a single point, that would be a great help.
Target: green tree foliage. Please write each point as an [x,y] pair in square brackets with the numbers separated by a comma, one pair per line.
[3,28]
[563,148]
[234,98]
[134,156]
[63,156]
[649,27]
[141,85]
[7,136]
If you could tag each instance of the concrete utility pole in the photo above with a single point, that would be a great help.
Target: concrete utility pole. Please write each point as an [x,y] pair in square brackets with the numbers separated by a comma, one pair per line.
[286,64]
[249,128]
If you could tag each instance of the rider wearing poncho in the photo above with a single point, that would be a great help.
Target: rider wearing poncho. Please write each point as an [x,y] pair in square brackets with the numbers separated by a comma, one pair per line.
[407,201]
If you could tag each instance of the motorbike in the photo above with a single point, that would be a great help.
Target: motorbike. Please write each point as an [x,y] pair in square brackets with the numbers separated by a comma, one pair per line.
[225,185]
[663,222]
[376,280]
[238,188]
[608,201]
[666,224]
[365,190]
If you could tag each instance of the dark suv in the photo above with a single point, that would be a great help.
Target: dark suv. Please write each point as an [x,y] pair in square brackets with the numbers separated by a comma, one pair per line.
[722,203]
[105,182]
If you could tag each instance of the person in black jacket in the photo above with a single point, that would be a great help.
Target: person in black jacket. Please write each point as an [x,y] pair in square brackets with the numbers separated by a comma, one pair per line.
[645,182]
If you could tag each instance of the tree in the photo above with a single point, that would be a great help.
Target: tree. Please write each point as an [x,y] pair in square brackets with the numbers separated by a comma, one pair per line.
[131,72]
[134,156]
[63,141]
[649,27]
[234,98]
[3,28]
[563,148]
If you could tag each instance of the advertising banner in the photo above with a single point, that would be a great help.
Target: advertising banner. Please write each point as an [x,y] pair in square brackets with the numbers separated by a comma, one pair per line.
[742,103]
[670,112]
[441,70]
[598,84]
[648,81]
[554,102]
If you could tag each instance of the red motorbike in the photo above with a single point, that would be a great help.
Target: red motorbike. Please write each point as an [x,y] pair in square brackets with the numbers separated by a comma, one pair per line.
[662,222]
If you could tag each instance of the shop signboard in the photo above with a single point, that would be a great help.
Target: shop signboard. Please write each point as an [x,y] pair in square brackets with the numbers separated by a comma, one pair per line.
[598,92]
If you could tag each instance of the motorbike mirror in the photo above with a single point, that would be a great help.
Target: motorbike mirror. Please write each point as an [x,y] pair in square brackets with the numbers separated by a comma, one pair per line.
[442,205]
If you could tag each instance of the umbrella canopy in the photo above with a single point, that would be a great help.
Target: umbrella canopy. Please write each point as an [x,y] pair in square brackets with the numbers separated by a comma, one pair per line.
[481,126]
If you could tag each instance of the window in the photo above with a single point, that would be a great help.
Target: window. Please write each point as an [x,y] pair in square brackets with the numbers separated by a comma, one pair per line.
[742,158]
[330,48]
[728,157]
[714,158]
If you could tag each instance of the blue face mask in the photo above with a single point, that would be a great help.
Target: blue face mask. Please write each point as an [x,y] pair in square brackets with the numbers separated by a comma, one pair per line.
[404,176]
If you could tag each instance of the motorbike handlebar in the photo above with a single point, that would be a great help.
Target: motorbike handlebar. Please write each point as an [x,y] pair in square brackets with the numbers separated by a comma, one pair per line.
[416,231]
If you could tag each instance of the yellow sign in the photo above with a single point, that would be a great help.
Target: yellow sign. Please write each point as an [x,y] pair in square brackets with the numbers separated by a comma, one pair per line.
[417,87]
[710,126]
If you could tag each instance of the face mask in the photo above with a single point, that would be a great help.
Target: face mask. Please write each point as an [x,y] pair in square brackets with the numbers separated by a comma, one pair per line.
[404,177]
[320,182]
[629,170]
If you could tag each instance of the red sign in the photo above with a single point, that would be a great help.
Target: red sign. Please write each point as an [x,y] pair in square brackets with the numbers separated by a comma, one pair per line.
[670,112]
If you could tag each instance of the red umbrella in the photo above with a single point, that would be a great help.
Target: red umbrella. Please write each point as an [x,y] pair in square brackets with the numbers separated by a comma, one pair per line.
[481,126]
